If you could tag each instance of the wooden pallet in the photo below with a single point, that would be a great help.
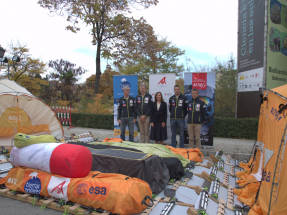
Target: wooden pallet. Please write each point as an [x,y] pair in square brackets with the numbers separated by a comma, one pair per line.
[49,203]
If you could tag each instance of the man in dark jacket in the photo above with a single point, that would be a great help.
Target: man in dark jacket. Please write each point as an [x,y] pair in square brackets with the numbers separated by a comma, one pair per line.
[126,114]
[142,108]
[177,109]
[196,114]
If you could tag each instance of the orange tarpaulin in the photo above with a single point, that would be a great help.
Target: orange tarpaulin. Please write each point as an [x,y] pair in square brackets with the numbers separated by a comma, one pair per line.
[114,140]
[248,193]
[191,154]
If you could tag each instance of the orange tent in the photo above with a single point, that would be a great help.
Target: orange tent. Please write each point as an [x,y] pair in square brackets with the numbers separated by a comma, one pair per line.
[272,136]
[22,112]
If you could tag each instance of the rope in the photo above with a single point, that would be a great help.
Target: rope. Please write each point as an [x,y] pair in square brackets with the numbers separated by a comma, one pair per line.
[43,207]
[183,195]
[76,211]
[67,212]
[33,201]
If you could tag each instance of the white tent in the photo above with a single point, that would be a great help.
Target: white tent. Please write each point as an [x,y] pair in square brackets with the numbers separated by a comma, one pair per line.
[22,112]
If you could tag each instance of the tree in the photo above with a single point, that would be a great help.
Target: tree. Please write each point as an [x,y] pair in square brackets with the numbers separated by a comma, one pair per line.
[180,83]
[113,32]
[66,74]
[225,85]
[28,71]
[106,84]
[163,58]
[226,82]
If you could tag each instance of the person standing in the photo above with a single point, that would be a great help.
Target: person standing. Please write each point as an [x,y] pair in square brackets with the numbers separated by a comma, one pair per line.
[158,116]
[178,111]
[142,108]
[196,113]
[126,114]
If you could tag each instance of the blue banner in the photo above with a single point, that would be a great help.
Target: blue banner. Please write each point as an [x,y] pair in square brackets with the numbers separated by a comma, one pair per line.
[206,94]
[119,82]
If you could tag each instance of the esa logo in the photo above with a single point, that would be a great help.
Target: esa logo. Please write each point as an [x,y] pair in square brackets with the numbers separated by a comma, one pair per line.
[98,190]
[276,114]
[84,189]
[266,176]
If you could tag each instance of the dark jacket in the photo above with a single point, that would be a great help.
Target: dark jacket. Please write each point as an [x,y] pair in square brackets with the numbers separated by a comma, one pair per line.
[142,104]
[158,115]
[126,108]
[177,107]
[196,111]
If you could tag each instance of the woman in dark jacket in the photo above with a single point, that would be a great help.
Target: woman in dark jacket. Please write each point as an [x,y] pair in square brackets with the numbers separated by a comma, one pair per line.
[158,117]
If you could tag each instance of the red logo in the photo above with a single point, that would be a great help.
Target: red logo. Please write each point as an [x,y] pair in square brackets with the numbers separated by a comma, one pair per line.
[162,81]
[59,189]
[199,81]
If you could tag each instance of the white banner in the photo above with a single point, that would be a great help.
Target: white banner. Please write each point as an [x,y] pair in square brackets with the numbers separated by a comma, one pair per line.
[250,80]
[163,83]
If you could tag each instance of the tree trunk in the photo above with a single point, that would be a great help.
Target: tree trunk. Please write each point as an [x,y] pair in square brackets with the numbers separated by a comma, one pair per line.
[98,69]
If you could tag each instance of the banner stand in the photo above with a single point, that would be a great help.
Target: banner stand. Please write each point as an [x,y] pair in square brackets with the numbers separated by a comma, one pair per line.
[205,83]
[164,83]
[119,82]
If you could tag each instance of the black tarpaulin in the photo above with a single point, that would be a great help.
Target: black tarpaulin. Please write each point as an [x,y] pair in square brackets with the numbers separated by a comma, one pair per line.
[146,167]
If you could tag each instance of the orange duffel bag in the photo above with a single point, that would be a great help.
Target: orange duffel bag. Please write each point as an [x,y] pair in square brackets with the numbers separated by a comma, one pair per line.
[190,154]
[112,192]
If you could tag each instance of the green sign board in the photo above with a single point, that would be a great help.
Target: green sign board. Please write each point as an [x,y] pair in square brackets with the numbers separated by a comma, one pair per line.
[276,44]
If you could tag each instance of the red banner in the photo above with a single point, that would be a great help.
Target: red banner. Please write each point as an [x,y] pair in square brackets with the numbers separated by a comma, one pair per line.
[199,81]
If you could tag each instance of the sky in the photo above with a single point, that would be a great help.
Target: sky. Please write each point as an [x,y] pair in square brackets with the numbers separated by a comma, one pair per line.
[205,29]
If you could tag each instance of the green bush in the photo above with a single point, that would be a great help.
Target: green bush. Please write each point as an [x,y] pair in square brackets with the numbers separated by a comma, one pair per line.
[244,128]
[223,127]
[102,121]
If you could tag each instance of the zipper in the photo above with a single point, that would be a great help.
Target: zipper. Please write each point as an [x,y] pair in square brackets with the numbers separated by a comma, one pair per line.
[142,105]
[128,107]
[175,106]
[199,119]
[192,111]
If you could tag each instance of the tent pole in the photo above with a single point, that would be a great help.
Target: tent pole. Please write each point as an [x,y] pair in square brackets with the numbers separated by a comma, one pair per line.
[18,113]
[279,161]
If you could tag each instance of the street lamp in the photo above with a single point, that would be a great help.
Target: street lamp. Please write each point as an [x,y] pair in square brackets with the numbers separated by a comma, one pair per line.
[2,51]
[5,60]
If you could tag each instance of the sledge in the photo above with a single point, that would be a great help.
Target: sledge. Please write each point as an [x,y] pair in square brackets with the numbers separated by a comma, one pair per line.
[85,137]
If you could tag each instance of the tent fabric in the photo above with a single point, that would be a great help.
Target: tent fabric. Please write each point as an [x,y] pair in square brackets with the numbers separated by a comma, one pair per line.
[21,112]
[281,90]
[149,148]
[190,154]
[270,132]
[112,192]
[146,167]
[267,155]
[7,86]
